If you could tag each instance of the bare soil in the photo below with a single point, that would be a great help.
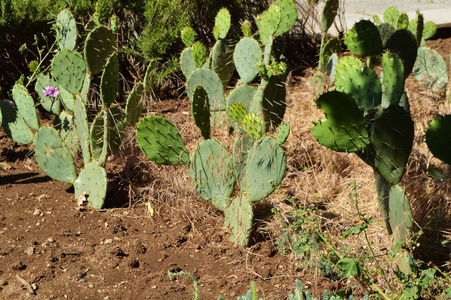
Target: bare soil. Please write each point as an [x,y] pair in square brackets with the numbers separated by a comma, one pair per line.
[50,248]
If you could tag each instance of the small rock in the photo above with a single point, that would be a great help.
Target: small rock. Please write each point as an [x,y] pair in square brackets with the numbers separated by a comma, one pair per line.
[34,286]
[50,240]
[3,282]
[108,241]
[36,212]
[29,251]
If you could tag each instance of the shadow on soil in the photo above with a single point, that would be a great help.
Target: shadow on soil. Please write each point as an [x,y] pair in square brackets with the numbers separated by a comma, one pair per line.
[23,178]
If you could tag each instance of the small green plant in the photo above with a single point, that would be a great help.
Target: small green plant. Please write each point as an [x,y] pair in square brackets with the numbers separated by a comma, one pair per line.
[255,110]
[173,275]
[64,92]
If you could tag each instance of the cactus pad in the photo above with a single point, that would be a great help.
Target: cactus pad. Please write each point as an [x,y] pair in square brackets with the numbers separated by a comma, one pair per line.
[238,218]
[211,170]
[199,53]
[329,13]
[201,111]
[393,77]
[221,58]
[64,123]
[69,69]
[242,94]
[222,23]
[99,45]
[25,105]
[160,141]
[265,166]
[282,133]
[49,103]
[187,64]
[391,143]
[237,112]
[212,84]
[430,70]
[246,56]
[364,39]
[66,30]
[13,124]
[344,129]
[437,138]
[53,156]
[67,99]
[135,106]
[116,132]
[109,84]
[82,126]
[391,15]
[188,35]
[404,43]
[94,183]
[252,124]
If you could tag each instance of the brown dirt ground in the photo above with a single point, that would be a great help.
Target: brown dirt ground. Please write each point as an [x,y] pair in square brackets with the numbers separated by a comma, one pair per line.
[52,249]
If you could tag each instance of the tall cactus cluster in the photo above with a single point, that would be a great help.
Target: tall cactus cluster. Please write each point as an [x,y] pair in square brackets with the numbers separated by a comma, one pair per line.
[369,115]
[255,108]
[71,72]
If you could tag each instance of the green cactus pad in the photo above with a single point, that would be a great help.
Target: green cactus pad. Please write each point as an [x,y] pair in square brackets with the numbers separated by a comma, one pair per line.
[160,141]
[252,124]
[82,126]
[402,22]
[438,136]
[25,105]
[246,28]
[241,146]
[391,15]
[116,132]
[274,104]
[332,46]
[109,83]
[289,16]
[187,64]
[188,35]
[69,69]
[282,133]
[377,20]
[385,31]
[238,217]
[269,21]
[329,13]
[391,143]
[265,167]
[93,182]
[393,80]
[67,99]
[222,22]
[416,27]
[66,30]
[199,53]
[99,45]
[344,129]
[135,106]
[429,30]
[86,88]
[242,94]
[211,170]
[201,111]
[49,103]
[64,123]
[246,56]
[404,43]
[13,124]
[237,112]
[53,156]
[430,70]
[364,39]
[221,57]
[360,82]
[332,67]
[396,211]
[211,82]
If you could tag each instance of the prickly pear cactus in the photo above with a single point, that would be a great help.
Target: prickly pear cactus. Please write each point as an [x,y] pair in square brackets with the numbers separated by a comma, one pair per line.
[437,138]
